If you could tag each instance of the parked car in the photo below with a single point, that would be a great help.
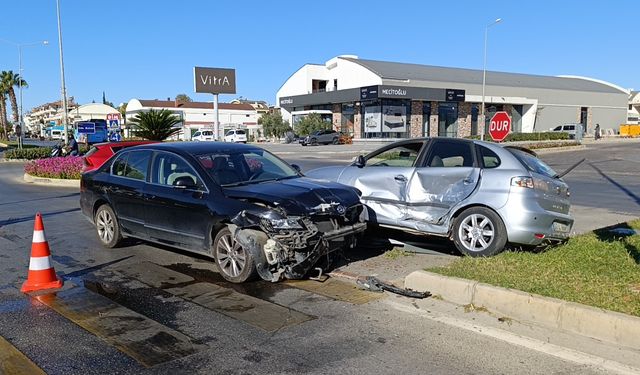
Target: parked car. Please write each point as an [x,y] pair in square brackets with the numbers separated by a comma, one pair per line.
[567,128]
[101,152]
[236,136]
[203,135]
[321,137]
[480,194]
[239,204]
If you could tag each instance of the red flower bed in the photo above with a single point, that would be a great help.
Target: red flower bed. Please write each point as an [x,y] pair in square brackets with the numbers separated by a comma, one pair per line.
[69,167]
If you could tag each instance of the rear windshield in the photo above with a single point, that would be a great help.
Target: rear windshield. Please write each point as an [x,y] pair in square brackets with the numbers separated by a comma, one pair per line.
[240,132]
[532,163]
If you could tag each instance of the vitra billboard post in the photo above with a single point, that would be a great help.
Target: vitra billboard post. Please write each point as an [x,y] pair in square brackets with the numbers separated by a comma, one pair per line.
[214,81]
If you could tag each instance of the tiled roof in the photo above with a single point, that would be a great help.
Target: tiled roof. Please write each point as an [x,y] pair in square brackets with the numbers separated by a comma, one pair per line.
[203,105]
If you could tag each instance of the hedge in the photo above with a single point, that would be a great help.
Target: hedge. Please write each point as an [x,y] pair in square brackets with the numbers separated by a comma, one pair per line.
[28,153]
[541,136]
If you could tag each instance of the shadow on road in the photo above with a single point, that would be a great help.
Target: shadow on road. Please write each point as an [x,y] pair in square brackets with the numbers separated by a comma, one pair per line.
[41,199]
[31,217]
[628,192]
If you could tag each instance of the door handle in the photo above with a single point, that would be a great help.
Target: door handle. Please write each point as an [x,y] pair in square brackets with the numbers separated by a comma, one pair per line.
[400,178]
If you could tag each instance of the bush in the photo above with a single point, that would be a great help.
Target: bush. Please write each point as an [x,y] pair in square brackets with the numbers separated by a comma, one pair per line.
[69,167]
[541,136]
[28,153]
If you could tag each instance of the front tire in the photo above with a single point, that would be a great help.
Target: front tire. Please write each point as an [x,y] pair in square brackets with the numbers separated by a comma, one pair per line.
[234,262]
[479,232]
[107,226]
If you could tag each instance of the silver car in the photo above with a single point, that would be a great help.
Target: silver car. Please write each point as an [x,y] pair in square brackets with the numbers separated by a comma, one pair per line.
[481,195]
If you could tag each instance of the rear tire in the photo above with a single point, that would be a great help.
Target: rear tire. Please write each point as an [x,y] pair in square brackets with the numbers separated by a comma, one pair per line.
[234,262]
[479,232]
[107,226]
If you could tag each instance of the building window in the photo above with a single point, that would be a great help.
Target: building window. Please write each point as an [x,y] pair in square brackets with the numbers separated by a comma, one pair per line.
[475,109]
[335,84]
[448,119]
[387,118]
[318,85]
[516,118]
[426,119]
[348,116]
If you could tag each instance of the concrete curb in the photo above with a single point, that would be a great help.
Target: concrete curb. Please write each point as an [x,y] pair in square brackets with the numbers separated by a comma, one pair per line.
[550,150]
[610,326]
[50,181]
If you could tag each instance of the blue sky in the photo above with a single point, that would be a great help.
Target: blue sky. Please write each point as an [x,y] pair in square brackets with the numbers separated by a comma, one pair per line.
[147,49]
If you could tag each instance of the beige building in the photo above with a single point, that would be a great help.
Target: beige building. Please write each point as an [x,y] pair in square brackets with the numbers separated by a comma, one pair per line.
[198,115]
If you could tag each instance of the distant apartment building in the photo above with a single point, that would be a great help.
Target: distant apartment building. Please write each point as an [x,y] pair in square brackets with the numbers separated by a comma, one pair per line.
[198,115]
[47,114]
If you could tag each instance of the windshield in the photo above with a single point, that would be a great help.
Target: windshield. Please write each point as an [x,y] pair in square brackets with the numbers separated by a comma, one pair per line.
[532,163]
[246,166]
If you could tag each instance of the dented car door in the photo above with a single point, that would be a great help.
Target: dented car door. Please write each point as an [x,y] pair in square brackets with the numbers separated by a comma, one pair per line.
[384,179]
[447,176]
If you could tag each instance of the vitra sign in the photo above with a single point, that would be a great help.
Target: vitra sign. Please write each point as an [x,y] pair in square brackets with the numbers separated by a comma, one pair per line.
[214,80]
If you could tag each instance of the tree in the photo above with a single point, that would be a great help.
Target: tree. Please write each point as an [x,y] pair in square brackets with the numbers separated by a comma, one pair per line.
[311,123]
[155,125]
[4,90]
[183,98]
[273,125]
[11,80]
[123,111]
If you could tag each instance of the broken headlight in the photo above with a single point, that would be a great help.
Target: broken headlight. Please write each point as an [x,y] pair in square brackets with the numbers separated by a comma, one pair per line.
[292,222]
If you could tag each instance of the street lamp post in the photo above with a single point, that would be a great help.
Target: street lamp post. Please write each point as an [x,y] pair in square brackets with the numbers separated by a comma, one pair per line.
[20,45]
[484,74]
[63,88]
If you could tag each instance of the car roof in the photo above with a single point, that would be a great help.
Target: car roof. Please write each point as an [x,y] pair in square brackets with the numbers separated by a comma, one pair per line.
[123,143]
[196,148]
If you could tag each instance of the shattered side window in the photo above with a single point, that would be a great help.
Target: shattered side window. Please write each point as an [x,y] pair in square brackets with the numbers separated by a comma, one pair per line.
[489,158]
[450,154]
[401,156]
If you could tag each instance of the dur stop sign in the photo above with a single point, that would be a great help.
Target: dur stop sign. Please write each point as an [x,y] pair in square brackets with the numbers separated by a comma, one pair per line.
[500,126]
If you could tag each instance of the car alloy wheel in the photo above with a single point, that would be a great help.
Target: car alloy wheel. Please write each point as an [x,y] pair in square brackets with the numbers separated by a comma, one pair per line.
[478,231]
[234,262]
[107,226]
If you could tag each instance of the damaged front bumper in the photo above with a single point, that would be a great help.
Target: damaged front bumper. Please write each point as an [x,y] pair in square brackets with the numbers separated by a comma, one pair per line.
[291,251]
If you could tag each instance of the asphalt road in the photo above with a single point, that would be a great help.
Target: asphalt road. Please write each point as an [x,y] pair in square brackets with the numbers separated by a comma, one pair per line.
[146,309]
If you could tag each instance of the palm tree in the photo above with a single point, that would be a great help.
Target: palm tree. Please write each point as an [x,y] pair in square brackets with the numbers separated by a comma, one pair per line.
[155,125]
[3,108]
[10,80]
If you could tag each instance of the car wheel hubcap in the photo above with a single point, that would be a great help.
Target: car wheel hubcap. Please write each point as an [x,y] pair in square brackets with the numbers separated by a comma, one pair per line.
[231,256]
[476,232]
[105,225]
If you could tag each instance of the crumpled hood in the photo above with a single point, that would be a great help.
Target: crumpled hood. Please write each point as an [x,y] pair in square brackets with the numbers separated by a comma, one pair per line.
[298,196]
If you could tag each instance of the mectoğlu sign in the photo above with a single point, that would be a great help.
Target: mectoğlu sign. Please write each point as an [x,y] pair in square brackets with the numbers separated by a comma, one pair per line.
[214,80]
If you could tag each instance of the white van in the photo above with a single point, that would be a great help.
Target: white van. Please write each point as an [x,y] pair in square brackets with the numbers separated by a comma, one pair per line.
[567,128]
[236,135]
[56,134]
[203,135]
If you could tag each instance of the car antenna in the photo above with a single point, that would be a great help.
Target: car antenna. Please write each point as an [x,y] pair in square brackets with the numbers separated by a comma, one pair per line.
[571,168]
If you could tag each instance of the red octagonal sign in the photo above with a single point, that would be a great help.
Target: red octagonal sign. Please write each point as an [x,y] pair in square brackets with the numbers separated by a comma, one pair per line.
[500,126]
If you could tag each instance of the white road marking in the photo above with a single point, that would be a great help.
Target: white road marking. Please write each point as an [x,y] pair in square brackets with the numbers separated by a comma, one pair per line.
[526,342]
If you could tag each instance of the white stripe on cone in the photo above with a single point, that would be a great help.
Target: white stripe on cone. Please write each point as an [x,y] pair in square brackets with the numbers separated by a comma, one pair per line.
[38,236]
[40,263]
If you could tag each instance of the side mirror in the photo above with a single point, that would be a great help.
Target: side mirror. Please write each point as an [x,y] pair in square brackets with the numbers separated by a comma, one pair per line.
[296,167]
[184,182]
[360,161]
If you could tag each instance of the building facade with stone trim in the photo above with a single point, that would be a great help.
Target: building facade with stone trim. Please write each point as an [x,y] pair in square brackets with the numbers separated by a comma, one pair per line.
[378,99]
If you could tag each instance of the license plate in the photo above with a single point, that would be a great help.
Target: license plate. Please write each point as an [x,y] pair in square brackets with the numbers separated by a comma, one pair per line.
[560,227]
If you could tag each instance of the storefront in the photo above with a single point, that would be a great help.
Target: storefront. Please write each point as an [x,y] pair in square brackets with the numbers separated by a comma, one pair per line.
[386,100]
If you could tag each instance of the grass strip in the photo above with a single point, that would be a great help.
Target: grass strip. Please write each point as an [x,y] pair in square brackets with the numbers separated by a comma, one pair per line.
[599,269]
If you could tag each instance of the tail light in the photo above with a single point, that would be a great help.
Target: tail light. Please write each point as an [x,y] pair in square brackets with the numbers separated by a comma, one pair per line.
[522,181]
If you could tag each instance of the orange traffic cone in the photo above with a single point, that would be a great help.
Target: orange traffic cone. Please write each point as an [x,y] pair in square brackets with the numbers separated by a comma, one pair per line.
[41,273]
